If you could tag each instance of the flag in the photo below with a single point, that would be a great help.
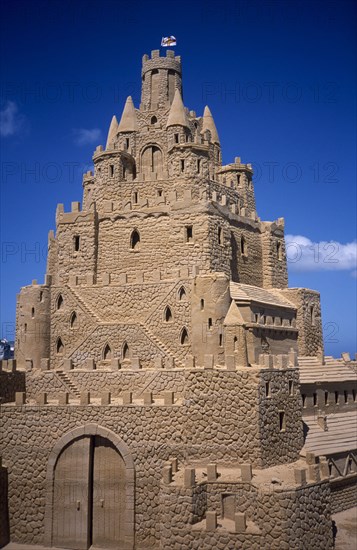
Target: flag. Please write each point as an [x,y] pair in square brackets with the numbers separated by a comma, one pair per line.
[168,41]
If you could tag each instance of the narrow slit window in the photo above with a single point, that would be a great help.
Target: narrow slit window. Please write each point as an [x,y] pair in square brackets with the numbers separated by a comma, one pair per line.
[220,235]
[127,142]
[238,179]
[111,170]
[182,164]
[41,296]
[25,328]
[326,397]
[189,233]
[33,312]
[282,421]
[345,393]
[135,197]
[235,343]
[220,340]
[314,399]
[267,389]
[198,166]
[303,400]
[243,246]
[177,138]
[202,304]
[337,398]
[354,395]
[279,251]
[312,315]
[76,243]
[210,323]
[291,387]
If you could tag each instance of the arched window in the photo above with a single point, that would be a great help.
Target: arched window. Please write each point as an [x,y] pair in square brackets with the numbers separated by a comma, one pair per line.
[59,303]
[135,240]
[168,314]
[153,120]
[125,352]
[182,293]
[73,320]
[59,346]
[151,159]
[184,336]
[107,352]
[243,246]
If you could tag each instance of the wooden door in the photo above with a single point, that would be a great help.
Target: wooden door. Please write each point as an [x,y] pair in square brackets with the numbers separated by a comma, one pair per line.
[71,496]
[108,495]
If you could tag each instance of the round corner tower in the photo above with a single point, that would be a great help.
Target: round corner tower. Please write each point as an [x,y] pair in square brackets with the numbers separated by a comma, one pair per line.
[160,78]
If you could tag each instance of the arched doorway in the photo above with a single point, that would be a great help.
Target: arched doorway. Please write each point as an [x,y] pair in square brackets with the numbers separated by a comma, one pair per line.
[91,478]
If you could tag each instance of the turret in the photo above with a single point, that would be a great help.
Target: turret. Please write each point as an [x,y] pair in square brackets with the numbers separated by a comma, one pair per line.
[208,124]
[161,76]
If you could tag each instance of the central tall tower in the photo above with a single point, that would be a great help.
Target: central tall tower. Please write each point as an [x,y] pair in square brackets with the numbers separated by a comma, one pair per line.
[160,77]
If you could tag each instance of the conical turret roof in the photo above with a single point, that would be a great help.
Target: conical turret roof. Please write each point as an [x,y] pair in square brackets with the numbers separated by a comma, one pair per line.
[177,114]
[208,124]
[128,121]
[113,129]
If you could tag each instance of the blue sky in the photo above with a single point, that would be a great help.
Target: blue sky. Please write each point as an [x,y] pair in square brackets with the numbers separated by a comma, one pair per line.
[279,77]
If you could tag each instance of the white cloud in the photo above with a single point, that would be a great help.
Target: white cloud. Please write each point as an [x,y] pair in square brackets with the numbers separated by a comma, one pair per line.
[11,121]
[84,136]
[306,255]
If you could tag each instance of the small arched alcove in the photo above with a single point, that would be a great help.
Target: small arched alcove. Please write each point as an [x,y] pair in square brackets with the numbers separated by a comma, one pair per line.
[59,302]
[125,351]
[107,352]
[167,314]
[73,322]
[184,336]
[59,346]
[90,490]
[182,293]
[135,240]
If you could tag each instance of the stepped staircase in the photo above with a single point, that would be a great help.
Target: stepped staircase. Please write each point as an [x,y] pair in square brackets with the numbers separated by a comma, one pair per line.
[71,387]
[83,304]
[162,347]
